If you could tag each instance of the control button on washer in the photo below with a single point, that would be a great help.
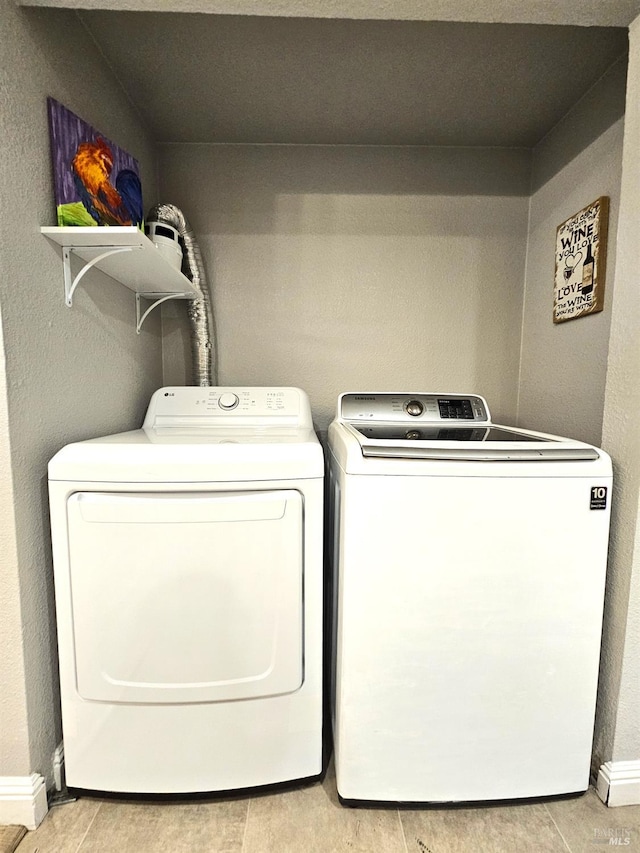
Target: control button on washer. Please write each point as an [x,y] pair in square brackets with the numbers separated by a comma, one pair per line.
[414,408]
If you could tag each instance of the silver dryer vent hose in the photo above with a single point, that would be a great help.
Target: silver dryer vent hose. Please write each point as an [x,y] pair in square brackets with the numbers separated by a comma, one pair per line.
[199,311]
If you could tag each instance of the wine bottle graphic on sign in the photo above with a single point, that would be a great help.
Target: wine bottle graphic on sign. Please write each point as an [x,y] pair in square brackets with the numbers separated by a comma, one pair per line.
[587,272]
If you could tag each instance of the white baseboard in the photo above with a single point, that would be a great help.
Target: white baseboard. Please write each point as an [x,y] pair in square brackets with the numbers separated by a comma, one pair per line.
[619,783]
[23,800]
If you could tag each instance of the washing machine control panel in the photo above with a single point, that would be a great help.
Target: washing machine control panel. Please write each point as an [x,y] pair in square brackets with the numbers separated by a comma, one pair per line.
[430,408]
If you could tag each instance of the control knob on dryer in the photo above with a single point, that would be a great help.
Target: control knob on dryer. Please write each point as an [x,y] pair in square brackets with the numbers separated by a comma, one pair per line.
[228,401]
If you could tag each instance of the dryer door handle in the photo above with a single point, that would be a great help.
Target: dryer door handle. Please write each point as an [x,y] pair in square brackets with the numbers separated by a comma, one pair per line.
[171,508]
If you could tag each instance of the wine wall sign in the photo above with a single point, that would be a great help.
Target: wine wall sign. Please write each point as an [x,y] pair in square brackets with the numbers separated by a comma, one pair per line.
[581,254]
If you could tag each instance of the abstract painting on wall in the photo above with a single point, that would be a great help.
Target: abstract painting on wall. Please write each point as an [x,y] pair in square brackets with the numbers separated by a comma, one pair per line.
[96,182]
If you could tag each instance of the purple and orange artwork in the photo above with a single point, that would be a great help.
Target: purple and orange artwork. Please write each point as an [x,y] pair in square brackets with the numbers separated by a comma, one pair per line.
[96,182]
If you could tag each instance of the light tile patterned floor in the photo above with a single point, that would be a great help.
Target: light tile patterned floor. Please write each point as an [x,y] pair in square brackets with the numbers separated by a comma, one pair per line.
[10,838]
[311,820]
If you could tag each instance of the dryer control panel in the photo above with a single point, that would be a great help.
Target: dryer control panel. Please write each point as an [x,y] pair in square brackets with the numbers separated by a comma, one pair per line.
[181,406]
[386,407]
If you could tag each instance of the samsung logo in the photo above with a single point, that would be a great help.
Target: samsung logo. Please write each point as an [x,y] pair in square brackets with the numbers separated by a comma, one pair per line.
[364,398]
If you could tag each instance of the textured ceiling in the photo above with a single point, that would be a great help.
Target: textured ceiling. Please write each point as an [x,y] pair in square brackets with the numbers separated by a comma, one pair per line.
[586,13]
[244,79]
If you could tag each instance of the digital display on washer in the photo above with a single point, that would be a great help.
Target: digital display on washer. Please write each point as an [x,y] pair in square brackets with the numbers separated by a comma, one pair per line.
[408,433]
[460,409]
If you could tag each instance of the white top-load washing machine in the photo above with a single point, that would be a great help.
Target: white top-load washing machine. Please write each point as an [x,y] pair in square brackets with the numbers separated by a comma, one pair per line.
[188,580]
[470,568]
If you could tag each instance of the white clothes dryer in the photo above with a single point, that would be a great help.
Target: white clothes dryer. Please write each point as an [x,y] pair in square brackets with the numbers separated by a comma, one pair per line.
[469,564]
[188,580]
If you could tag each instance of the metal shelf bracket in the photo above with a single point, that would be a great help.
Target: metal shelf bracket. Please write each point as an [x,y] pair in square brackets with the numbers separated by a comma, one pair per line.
[71,283]
[141,317]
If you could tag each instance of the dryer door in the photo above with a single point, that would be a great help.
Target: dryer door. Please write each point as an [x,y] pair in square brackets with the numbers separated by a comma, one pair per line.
[186,597]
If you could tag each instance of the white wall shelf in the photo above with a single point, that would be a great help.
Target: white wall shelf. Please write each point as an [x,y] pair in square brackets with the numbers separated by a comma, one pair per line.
[125,254]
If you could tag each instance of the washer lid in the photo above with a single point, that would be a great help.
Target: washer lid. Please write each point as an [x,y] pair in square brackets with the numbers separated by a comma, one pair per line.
[407,432]
[444,426]
[492,444]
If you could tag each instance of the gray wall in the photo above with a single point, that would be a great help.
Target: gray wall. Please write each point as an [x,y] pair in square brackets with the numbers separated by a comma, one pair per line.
[69,373]
[571,378]
[563,367]
[617,725]
[338,268]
